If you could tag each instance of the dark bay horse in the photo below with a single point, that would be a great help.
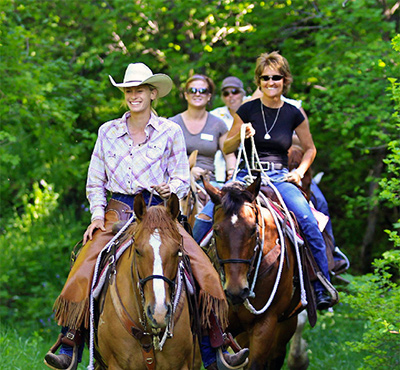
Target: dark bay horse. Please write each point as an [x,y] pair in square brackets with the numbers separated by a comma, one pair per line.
[260,315]
[145,322]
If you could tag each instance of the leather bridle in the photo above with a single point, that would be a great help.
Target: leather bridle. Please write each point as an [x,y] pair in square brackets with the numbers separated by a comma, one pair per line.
[257,247]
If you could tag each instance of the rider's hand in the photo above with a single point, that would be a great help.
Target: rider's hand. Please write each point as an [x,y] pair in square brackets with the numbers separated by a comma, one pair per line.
[249,130]
[96,224]
[229,173]
[196,172]
[294,176]
[163,190]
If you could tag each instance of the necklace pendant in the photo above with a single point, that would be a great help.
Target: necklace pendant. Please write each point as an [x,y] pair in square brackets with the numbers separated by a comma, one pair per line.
[267,136]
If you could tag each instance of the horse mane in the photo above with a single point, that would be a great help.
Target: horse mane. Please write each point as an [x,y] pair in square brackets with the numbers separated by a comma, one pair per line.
[156,217]
[234,196]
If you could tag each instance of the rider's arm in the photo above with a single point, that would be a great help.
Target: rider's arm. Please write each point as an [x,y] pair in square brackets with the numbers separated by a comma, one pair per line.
[232,142]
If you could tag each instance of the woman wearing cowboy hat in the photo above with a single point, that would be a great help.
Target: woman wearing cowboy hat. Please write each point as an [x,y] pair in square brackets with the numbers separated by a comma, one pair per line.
[137,153]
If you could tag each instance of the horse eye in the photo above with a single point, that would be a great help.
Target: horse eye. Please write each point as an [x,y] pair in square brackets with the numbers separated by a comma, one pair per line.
[137,252]
[254,230]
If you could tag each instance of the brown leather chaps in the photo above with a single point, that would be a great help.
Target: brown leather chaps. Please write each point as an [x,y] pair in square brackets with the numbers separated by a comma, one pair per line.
[72,306]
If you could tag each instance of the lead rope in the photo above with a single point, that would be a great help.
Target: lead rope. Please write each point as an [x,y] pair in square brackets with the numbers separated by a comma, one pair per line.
[252,294]
[291,222]
[247,303]
[255,154]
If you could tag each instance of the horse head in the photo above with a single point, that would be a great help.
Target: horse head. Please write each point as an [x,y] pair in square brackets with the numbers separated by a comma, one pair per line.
[157,255]
[236,234]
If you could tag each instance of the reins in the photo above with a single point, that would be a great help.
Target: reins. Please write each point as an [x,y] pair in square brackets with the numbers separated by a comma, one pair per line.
[242,152]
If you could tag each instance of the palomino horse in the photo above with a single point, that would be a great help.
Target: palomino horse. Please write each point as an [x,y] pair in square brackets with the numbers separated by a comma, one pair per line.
[145,322]
[262,297]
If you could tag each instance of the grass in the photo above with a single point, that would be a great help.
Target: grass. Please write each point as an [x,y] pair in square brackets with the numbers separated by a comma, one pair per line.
[327,347]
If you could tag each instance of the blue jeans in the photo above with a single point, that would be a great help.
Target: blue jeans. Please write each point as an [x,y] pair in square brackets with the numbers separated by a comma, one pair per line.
[129,198]
[295,202]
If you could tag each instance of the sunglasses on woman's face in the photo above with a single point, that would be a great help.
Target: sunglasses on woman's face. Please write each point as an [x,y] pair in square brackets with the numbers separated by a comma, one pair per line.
[273,78]
[194,90]
[232,91]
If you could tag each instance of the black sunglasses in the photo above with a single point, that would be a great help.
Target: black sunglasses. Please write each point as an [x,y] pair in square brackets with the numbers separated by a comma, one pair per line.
[194,90]
[232,91]
[273,78]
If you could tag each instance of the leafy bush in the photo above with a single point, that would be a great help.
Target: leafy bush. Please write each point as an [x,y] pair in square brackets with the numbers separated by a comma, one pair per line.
[376,297]
[31,270]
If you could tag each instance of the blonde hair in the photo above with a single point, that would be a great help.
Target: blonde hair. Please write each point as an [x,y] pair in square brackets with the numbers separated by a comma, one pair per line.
[276,61]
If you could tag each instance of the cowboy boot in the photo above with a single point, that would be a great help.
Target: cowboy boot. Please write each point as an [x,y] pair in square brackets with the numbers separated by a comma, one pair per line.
[61,361]
[234,361]
[70,341]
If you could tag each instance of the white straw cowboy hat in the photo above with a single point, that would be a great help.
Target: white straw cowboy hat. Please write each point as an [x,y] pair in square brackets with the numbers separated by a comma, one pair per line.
[139,74]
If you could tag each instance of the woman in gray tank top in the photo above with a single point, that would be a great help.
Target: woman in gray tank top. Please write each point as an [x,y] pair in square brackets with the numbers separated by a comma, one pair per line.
[203,131]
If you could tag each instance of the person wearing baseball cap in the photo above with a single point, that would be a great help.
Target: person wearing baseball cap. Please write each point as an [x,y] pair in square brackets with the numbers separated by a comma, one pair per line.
[233,95]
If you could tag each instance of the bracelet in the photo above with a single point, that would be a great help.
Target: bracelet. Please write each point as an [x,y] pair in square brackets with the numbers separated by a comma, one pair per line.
[230,169]
[298,173]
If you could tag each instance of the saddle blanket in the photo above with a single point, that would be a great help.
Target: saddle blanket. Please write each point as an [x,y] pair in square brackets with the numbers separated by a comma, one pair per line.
[296,236]
[100,278]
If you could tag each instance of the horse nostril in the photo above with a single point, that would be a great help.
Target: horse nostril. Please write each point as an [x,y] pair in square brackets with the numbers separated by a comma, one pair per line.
[150,312]
[244,294]
[169,310]
[239,298]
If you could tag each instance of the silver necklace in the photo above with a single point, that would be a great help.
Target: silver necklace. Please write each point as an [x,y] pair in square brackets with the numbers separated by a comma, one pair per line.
[267,136]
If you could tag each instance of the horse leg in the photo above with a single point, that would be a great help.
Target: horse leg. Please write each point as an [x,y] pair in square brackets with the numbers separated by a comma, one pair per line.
[298,357]
[283,334]
[261,343]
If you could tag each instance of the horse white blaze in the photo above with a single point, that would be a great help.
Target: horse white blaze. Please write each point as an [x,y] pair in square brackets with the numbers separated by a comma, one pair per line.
[158,284]
[234,219]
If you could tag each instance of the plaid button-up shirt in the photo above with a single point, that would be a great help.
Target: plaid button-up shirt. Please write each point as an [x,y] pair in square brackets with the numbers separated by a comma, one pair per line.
[119,166]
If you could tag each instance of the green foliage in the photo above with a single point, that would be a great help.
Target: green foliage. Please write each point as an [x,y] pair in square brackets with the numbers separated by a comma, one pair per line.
[26,350]
[327,341]
[390,185]
[376,298]
[29,283]
[55,58]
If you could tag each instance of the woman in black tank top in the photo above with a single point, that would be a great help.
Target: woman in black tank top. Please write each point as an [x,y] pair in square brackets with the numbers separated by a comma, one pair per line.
[272,123]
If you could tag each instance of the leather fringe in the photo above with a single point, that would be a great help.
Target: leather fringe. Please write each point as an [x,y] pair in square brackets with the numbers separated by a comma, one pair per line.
[72,314]
[208,304]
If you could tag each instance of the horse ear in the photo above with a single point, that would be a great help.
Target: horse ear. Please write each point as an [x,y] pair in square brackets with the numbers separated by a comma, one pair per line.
[139,206]
[254,188]
[193,158]
[212,191]
[173,206]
